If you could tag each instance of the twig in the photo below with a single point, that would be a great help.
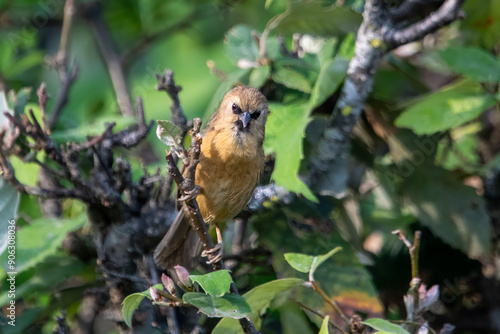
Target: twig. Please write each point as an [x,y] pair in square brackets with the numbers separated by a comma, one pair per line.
[111,58]
[60,62]
[414,250]
[449,12]
[329,301]
[307,308]
[42,102]
[166,83]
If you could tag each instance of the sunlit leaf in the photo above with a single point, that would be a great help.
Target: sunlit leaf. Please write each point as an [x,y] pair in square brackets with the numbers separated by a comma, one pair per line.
[452,210]
[384,326]
[259,299]
[292,79]
[229,305]
[35,242]
[330,78]
[308,263]
[259,76]
[129,305]
[472,63]
[132,302]
[216,283]
[445,109]
[324,326]
[284,135]
[240,44]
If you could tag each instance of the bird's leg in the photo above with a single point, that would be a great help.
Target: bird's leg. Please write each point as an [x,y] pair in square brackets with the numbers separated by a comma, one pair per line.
[215,254]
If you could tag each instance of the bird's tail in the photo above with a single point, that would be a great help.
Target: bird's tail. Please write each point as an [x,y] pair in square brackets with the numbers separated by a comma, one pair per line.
[180,246]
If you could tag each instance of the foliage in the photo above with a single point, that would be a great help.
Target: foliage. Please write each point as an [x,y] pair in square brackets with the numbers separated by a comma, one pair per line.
[424,156]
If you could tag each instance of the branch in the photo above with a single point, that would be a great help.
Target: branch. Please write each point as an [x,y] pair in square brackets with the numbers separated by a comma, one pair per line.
[166,83]
[67,76]
[408,8]
[414,250]
[138,48]
[449,12]
[111,58]
[376,36]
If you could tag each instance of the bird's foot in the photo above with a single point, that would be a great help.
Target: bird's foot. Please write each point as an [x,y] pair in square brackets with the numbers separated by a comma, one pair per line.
[214,255]
[191,194]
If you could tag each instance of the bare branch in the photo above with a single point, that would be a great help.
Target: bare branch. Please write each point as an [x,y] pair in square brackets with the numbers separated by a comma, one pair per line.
[449,12]
[42,102]
[67,76]
[166,82]
[111,58]
[408,8]
[376,36]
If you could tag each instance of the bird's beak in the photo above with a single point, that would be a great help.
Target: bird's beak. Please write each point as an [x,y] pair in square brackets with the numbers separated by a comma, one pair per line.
[244,118]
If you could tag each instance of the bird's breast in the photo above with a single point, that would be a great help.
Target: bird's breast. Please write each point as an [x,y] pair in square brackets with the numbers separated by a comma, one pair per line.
[227,174]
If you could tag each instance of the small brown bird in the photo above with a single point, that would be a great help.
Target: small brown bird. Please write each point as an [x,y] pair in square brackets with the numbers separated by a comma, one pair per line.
[231,161]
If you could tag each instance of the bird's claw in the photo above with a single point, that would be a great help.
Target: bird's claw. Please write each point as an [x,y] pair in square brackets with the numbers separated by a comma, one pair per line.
[191,194]
[214,255]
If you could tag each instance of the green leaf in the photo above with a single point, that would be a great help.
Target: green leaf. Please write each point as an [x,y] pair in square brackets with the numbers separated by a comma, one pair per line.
[452,210]
[324,326]
[129,305]
[229,305]
[323,258]
[445,109]
[216,283]
[473,63]
[171,135]
[241,45]
[284,135]
[346,48]
[299,262]
[21,99]
[314,19]
[292,79]
[9,203]
[35,242]
[44,277]
[330,78]
[308,263]
[259,76]
[384,326]
[259,299]
[132,302]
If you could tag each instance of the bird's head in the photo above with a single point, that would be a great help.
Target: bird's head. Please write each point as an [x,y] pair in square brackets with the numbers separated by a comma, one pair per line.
[244,110]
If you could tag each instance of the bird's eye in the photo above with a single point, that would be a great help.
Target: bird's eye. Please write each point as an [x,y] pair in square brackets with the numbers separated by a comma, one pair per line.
[255,115]
[235,108]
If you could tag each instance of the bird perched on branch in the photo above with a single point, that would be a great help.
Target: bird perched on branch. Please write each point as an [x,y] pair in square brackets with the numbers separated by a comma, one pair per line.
[231,161]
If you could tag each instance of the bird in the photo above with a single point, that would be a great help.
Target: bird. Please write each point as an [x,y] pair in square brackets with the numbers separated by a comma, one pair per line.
[231,162]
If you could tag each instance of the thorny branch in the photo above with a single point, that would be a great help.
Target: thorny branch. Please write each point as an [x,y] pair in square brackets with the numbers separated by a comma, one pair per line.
[378,34]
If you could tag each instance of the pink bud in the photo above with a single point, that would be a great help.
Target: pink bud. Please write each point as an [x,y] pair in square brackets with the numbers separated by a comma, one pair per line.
[153,294]
[183,276]
[168,284]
